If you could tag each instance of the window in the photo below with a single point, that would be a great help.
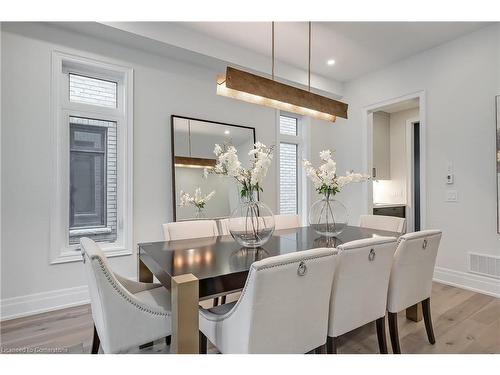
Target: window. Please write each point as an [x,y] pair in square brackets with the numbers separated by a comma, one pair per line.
[289,152]
[93,156]
[288,125]
[288,178]
[93,188]
[87,179]
[92,91]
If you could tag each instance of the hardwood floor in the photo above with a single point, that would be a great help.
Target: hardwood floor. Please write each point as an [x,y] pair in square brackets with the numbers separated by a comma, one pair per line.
[464,322]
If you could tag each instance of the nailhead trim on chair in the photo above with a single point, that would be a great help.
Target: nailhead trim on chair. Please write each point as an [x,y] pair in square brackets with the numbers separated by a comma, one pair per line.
[334,252]
[424,236]
[120,291]
[251,274]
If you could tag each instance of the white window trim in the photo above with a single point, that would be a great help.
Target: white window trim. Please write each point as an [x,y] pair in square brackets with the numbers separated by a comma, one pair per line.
[61,109]
[302,142]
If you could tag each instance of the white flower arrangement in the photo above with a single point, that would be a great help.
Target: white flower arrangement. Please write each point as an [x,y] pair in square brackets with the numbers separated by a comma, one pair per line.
[197,200]
[228,164]
[325,178]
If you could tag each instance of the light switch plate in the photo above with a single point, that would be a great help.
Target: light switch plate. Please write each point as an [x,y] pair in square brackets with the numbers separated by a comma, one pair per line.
[451,196]
[449,173]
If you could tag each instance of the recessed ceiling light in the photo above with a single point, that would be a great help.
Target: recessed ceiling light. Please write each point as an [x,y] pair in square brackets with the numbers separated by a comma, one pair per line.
[226,132]
[330,62]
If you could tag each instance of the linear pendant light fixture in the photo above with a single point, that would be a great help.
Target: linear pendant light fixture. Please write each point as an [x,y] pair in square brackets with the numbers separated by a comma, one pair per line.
[189,161]
[241,85]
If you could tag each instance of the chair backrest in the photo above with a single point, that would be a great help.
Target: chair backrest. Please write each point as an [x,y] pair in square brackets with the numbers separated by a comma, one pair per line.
[286,222]
[380,222]
[224,227]
[359,293]
[182,230]
[100,280]
[284,305]
[241,222]
[412,269]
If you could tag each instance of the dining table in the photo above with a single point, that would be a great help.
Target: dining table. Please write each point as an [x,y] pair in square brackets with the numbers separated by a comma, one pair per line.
[205,268]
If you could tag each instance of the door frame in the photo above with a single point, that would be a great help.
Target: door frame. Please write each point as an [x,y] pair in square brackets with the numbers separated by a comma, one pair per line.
[410,191]
[368,159]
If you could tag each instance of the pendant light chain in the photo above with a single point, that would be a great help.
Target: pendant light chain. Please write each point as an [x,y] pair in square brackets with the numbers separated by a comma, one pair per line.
[309,68]
[272,47]
[189,137]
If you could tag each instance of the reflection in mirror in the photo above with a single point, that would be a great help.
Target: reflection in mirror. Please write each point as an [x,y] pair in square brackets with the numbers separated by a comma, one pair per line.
[498,161]
[192,151]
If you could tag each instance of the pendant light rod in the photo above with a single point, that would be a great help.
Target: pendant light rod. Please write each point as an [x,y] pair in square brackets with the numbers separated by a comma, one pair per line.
[272,47]
[189,137]
[309,67]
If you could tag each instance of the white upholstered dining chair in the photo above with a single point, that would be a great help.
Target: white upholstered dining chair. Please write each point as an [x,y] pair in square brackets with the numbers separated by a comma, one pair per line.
[286,222]
[126,313]
[411,279]
[283,307]
[359,293]
[224,227]
[381,222]
[182,230]
[240,222]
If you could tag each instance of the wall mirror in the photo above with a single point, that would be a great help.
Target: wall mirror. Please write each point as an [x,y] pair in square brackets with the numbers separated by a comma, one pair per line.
[498,160]
[193,143]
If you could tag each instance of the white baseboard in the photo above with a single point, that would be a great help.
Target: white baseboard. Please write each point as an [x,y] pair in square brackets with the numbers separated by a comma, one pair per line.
[469,281]
[37,303]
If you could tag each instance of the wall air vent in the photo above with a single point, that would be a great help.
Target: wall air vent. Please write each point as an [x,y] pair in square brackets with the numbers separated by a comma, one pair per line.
[486,265]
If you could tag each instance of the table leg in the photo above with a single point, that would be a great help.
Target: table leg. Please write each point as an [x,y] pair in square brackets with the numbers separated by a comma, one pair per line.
[185,329]
[414,312]
[145,274]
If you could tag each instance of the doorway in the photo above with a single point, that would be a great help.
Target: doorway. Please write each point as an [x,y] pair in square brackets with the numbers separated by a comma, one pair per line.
[396,158]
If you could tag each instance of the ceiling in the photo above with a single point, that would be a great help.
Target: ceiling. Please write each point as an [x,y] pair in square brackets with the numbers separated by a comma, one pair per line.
[357,47]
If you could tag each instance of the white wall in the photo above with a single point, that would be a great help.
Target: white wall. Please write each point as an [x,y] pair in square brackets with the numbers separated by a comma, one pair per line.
[162,87]
[460,80]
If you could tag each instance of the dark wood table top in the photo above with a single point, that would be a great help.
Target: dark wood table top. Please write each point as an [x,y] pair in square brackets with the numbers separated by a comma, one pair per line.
[222,266]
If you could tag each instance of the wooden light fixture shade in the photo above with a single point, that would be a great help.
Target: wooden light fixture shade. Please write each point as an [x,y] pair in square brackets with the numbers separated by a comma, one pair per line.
[255,89]
[188,162]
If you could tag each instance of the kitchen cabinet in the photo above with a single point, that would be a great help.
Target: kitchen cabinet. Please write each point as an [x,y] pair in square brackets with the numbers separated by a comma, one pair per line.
[381,146]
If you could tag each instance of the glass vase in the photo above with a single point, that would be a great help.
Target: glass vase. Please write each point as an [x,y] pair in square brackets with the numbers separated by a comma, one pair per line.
[200,213]
[328,217]
[252,223]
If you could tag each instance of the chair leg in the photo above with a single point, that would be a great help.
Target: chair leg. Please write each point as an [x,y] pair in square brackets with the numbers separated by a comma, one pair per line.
[331,345]
[95,342]
[393,330]
[203,343]
[216,301]
[320,349]
[146,345]
[223,300]
[382,342]
[168,340]
[426,311]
